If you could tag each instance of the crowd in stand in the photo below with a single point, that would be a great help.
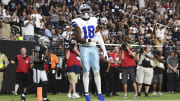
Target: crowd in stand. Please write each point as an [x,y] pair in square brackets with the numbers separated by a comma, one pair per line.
[154,22]
[141,22]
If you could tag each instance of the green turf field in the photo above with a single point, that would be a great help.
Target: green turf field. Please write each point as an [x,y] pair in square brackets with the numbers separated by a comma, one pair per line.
[62,97]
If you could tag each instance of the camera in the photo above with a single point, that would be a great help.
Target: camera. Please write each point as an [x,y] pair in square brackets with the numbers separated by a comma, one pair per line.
[124,46]
[72,44]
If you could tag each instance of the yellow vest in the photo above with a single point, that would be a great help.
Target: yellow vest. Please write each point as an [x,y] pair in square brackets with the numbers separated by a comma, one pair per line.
[1,61]
[19,38]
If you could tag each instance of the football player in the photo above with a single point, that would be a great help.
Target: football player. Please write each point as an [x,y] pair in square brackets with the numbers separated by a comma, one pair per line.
[87,35]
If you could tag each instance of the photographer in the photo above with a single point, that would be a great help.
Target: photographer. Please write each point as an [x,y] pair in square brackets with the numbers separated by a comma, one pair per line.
[73,67]
[144,74]
[128,67]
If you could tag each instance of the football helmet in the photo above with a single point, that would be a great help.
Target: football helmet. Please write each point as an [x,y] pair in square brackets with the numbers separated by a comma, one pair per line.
[85,11]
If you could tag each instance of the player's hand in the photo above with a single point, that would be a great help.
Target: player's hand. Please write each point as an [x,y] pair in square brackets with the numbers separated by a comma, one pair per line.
[94,39]
[105,55]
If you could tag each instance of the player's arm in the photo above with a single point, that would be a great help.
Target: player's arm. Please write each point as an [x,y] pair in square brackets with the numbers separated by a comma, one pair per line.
[77,33]
[100,40]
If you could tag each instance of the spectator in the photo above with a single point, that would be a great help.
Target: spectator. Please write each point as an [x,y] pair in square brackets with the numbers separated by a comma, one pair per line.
[23,66]
[73,68]
[158,73]
[54,18]
[176,33]
[45,11]
[38,21]
[160,32]
[67,33]
[113,73]
[128,66]
[145,70]
[47,31]
[5,30]
[19,37]
[3,65]
[29,29]
[172,76]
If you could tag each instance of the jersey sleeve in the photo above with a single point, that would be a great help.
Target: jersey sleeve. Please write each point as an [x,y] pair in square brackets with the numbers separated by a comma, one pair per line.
[74,22]
[96,21]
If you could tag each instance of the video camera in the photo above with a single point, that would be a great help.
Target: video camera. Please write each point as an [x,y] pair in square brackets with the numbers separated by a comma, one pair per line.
[72,44]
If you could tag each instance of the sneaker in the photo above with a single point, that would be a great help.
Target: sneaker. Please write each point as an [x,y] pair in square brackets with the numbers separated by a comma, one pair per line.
[69,96]
[75,96]
[139,93]
[115,94]
[135,96]
[146,94]
[23,97]
[88,98]
[160,93]
[100,97]
[154,93]
[14,93]
[172,92]
[46,99]
[125,96]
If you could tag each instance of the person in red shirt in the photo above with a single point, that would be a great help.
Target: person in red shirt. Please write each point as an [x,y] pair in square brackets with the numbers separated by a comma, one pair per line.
[128,67]
[73,67]
[23,66]
[113,72]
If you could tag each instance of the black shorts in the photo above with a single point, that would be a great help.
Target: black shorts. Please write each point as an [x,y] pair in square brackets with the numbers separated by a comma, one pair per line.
[128,71]
[22,79]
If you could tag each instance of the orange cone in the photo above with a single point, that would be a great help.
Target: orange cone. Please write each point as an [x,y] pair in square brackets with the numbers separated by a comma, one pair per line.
[39,93]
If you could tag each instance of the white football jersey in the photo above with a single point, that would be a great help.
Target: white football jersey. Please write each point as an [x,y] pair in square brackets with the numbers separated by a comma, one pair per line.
[88,28]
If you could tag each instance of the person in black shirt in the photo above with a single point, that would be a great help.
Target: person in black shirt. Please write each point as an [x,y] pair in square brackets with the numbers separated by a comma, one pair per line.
[39,73]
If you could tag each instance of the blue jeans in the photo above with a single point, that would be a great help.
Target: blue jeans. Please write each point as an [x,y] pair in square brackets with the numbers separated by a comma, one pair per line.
[29,38]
